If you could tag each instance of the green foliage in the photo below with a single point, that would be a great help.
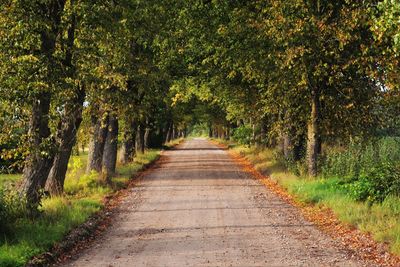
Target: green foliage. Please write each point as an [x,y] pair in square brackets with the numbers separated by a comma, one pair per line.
[12,207]
[33,237]
[9,179]
[386,28]
[348,162]
[375,183]
[368,171]
[199,130]
[243,135]
[84,185]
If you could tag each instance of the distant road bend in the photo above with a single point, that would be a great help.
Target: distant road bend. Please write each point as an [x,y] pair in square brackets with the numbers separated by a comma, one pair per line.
[198,208]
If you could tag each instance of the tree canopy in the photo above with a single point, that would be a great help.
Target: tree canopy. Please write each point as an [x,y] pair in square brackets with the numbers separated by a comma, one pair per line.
[132,74]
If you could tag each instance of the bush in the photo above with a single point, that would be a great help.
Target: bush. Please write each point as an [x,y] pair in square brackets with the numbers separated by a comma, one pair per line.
[376,183]
[3,215]
[12,207]
[243,135]
[368,171]
[349,162]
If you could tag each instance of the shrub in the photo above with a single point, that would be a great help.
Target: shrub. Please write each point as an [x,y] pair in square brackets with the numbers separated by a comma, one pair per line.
[3,215]
[368,171]
[376,183]
[243,135]
[12,207]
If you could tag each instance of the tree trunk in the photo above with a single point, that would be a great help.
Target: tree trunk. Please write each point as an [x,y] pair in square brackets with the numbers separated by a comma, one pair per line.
[210,132]
[38,163]
[173,133]
[66,137]
[109,159]
[228,132]
[139,142]
[146,135]
[40,159]
[313,135]
[128,143]
[69,123]
[169,132]
[97,142]
[287,146]
[146,138]
[263,132]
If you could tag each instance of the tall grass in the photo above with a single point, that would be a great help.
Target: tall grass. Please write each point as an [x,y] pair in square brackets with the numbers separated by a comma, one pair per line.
[348,162]
[369,171]
[7,179]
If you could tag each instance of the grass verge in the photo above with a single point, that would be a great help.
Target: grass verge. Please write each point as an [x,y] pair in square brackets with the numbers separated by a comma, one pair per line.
[84,196]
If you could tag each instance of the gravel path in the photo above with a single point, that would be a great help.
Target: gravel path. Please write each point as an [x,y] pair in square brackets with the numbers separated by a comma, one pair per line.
[197,208]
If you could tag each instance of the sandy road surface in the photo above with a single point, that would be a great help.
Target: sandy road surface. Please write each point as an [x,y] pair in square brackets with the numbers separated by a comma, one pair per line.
[199,209]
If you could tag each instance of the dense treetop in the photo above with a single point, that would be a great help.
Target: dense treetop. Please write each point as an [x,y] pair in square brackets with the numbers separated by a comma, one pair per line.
[301,72]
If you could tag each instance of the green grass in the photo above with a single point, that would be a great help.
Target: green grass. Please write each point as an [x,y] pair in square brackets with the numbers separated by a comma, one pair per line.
[382,220]
[60,215]
[84,194]
[7,179]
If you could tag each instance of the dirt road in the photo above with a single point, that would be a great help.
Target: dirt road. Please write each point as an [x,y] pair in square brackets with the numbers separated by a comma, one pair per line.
[198,208]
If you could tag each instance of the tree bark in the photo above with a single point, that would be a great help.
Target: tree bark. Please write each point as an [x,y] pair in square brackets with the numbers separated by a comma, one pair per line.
[169,132]
[66,138]
[146,135]
[40,159]
[173,133]
[139,142]
[97,142]
[287,146]
[128,143]
[313,135]
[109,159]
[264,132]
[146,138]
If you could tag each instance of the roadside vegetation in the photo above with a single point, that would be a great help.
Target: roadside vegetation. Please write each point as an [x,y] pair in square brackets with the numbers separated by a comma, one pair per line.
[84,195]
[360,185]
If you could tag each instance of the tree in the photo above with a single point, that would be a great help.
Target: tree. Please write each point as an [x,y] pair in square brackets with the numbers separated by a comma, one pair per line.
[30,32]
